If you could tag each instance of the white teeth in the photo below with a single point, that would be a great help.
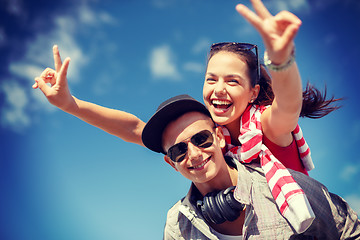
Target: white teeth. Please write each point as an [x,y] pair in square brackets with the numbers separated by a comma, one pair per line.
[220,102]
[202,164]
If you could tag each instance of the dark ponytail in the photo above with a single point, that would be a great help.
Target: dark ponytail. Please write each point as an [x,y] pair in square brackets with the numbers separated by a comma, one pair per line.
[314,105]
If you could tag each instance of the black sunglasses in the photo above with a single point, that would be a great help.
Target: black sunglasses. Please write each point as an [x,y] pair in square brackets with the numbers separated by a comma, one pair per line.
[203,139]
[240,47]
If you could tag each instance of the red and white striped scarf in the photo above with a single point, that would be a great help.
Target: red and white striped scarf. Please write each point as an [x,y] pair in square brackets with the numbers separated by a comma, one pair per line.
[289,197]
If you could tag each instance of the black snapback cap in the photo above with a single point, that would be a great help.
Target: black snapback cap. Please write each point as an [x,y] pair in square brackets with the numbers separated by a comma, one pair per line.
[167,112]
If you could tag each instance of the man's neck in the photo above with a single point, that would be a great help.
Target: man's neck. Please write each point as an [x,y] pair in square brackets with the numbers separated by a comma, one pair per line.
[224,179]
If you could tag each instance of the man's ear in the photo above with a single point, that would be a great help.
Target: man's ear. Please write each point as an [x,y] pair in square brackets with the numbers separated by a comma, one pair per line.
[170,162]
[220,135]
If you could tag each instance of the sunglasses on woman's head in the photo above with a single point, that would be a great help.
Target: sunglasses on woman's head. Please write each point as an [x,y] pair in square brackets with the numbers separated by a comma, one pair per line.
[203,139]
[240,47]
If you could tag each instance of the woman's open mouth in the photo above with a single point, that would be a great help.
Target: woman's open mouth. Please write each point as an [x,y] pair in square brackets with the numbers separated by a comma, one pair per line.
[221,104]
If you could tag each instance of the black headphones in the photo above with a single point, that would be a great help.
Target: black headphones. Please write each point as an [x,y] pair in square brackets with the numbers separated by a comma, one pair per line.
[220,206]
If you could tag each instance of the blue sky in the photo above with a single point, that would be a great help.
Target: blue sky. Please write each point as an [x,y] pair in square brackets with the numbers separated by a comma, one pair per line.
[61,178]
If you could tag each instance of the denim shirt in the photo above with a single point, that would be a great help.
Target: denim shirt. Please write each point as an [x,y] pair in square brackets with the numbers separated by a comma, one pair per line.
[334,218]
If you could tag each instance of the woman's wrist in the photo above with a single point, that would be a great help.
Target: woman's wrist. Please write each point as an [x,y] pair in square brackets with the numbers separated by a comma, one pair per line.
[279,67]
[72,106]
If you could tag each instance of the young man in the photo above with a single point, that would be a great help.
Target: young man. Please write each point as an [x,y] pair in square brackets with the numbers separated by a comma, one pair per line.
[182,129]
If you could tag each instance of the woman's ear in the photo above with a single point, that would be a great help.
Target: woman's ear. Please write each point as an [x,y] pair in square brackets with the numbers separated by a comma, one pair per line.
[170,162]
[255,93]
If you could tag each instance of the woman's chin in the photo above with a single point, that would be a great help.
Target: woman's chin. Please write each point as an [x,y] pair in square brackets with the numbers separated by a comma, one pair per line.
[221,120]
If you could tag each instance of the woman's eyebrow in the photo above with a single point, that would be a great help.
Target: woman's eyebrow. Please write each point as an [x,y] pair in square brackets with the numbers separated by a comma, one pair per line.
[237,76]
[227,75]
[233,75]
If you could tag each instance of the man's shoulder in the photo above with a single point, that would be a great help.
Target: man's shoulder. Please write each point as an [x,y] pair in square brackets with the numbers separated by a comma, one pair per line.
[251,171]
[173,213]
[177,218]
[306,181]
[175,208]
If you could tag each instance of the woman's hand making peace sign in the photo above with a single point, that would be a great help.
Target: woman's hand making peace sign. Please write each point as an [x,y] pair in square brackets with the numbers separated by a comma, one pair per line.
[278,32]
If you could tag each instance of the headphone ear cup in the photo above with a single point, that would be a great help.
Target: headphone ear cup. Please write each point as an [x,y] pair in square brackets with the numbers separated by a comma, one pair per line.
[212,209]
[218,207]
[227,211]
[205,209]
[230,199]
[200,205]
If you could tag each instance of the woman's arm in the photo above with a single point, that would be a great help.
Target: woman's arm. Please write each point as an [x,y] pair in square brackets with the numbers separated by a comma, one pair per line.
[119,123]
[278,33]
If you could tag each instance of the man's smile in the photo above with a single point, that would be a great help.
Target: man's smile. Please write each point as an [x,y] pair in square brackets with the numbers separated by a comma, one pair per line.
[201,165]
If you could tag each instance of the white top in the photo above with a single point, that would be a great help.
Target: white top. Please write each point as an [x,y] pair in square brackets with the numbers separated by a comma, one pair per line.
[226,237]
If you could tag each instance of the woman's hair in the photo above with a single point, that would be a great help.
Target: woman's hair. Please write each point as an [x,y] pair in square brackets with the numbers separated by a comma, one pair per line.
[315,104]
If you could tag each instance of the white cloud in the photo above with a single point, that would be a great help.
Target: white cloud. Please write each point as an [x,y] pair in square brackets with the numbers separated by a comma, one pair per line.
[298,5]
[40,102]
[202,45]
[39,52]
[38,55]
[349,171]
[106,18]
[13,112]
[354,202]
[25,70]
[292,6]
[194,67]
[87,16]
[162,63]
